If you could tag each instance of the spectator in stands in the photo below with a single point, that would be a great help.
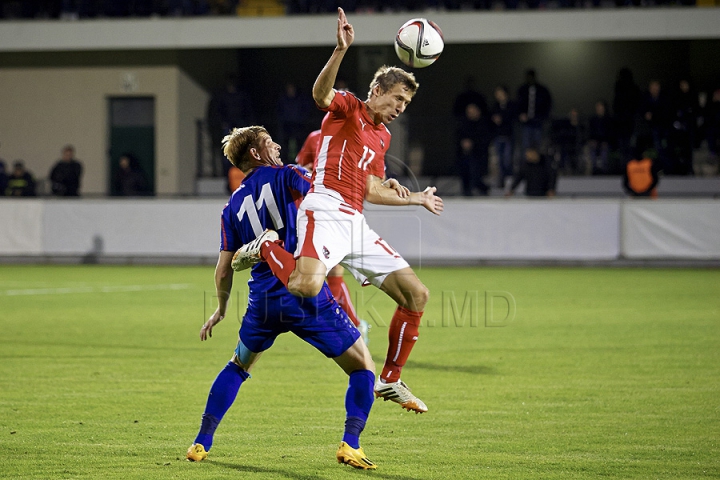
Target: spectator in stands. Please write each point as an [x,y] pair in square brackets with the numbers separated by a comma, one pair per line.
[568,138]
[178,8]
[656,112]
[626,105]
[503,117]
[684,124]
[712,123]
[222,7]
[228,107]
[293,110]
[129,179]
[538,172]
[641,175]
[470,95]
[473,140]
[20,182]
[534,105]
[65,175]
[600,138]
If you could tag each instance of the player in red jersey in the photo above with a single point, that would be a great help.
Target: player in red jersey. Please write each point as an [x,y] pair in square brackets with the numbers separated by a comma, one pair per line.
[350,168]
[306,159]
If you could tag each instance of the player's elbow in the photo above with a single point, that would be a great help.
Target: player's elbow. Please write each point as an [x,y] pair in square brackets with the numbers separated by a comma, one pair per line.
[322,98]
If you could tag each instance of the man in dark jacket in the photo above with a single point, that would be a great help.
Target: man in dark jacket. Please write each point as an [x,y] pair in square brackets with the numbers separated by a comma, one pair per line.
[473,141]
[534,104]
[538,173]
[20,182]
[65,175]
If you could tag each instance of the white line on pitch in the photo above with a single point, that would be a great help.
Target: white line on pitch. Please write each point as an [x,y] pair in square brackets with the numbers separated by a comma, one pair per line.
[105,289]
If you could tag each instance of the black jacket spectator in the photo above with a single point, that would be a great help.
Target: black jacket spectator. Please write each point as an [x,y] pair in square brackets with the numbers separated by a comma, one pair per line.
[473,141]
[538,173]
[129,179]
[65,175]
[503,118]
[20,182]
[533,99]
[469,96]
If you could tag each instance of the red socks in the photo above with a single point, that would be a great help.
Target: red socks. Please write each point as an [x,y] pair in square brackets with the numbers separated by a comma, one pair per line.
[402,337]
[342,296]
[280,261]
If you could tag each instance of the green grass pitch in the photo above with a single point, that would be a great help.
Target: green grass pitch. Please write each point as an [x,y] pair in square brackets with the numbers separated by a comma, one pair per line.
[602,373]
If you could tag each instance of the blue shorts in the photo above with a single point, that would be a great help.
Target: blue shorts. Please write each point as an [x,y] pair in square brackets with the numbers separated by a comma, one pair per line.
[320,321]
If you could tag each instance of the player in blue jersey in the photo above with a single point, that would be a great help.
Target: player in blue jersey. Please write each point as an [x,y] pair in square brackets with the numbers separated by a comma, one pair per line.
[268,198]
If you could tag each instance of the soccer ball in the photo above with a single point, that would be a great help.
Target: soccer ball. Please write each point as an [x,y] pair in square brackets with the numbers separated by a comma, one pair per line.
[419,42]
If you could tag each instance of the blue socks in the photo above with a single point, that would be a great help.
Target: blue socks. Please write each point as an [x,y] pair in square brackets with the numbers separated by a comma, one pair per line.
[222,395]
[358,401]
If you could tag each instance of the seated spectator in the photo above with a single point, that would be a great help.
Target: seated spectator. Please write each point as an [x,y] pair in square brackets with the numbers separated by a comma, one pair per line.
[65,175]
[20,182]
[539,175]
[600,137]
[641,175]
[129,179]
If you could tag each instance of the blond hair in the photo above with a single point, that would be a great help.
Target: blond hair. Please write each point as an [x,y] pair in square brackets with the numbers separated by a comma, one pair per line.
[387,77]
[237,145]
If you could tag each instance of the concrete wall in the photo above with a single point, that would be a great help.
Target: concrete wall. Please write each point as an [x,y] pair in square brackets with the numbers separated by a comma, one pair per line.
[468,230]
[45,108]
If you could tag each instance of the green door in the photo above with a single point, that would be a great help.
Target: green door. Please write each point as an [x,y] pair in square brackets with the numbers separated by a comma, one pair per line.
[132,133]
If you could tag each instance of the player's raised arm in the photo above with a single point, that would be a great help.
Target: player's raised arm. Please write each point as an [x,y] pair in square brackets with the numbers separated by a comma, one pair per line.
[323,92]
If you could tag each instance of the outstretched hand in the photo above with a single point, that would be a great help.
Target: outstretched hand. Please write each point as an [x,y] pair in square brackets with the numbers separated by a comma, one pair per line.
[431,202]
[345,32]
[206,330]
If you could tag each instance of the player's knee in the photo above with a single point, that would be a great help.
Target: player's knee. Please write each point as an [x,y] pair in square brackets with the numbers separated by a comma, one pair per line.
[305,285]
[239,363]
[418,297]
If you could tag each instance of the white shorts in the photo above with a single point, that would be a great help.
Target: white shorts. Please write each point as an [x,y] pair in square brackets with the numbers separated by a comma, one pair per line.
[335,233]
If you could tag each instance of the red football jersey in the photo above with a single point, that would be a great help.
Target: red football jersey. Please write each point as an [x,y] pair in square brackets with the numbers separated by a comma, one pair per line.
[306,156]
[351,148]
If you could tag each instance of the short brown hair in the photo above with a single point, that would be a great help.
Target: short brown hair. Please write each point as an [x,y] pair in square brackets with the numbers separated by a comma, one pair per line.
[387,77]
[237,145]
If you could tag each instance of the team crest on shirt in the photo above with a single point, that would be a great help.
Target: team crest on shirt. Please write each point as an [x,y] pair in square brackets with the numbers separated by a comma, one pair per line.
[382,143]
[326,252]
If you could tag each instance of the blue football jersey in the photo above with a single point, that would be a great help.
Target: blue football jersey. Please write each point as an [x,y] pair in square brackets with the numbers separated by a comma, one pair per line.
[267,198]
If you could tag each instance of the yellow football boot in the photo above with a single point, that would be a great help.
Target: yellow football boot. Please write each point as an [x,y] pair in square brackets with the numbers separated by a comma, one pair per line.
[196,453]
[355,457]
